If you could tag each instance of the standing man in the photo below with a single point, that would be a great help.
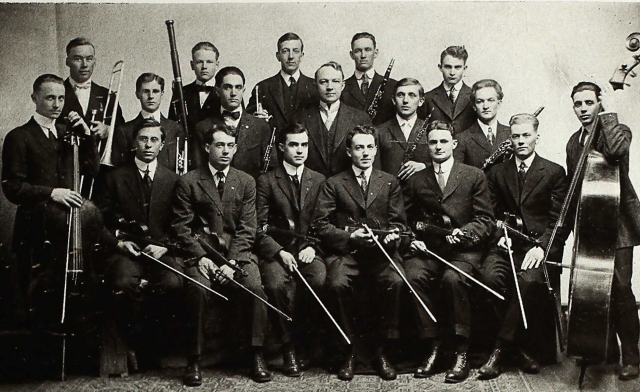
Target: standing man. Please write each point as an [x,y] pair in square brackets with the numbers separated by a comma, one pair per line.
[286,196]
[359,194]
[253,134]
[329,124]
[482,138]
[362,86]
[401,132]
[289,90]
[613,140]
[149,91]
[450,101]
[221,198]
[533,189]
[459,192]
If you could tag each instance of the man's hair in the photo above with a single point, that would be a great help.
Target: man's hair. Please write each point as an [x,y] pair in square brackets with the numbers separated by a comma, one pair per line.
[291,129]
[149,123]
[358,36]
[485,83]
[218,127]
[361,130]
[409,82]
[458,52]
[228,71]
[42,79]
[290,37]
[80,41]
[441,125]
[525,118]
[206,46]
[586,86]
[331,64]
[149,77]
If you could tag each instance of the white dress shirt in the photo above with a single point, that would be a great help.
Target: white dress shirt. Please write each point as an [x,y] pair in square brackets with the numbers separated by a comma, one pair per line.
[47,124]
[205,94]
[328,114]
[230,121]
[370,74]
[367,173]
[215,176]
[287,78]
[144,166]
[407,125]
[82,93]
[485,128]
[292,170]
[444,168]
[527,162]
[146,115]
[457,86]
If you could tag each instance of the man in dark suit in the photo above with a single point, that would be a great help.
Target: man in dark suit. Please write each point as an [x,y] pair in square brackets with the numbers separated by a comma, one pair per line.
[329,124]
[283,94]
[400,133]
[482,138]
[533,189]
[37,170]
[361,194]
[613,140]
[362,86]
[253,134]
[450,101]
[286,195]
[141,190]
[221,198]
[149,91]
[459,192]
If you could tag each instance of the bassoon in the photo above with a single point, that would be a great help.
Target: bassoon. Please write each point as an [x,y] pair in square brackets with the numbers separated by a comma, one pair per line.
[182,159]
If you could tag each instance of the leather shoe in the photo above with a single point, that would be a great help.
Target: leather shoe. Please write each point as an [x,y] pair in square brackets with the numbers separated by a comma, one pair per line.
[428,367]
[629,372]
[460,370]
[193,377]
[290,367]
[385,369]
[492,368]
[346,371]
[132,361]
[260,372]
[528,364]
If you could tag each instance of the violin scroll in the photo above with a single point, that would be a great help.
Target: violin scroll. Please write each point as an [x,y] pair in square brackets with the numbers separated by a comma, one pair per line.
[624,70]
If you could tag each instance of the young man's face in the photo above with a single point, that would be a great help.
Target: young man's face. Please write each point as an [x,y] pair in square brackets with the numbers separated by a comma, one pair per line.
[221,150]
[487,104]
[362,151]
[586,106]
[295,148]
[230,91]
[524,138]
[81,61]
[148,144]
[441,145]
[407,100]
[363,53]
[150,96]
[205,64]
[330,84]
[49,99]
[290,55]
[452,69]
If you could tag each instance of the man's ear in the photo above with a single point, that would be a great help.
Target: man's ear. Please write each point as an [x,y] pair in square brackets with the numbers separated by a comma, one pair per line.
[281,147]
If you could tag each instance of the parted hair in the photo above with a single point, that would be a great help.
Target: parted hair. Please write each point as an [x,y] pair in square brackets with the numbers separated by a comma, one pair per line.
[79,41]
[207,46]
[218,127]
[364,34]
[361,130]
[484,83]
[409,82]
[290,37]
[292,129]
[441,125]
[458,52]
[42,79]
[333,65]
[149,123]
[149,77]
[228,71]
[586,86]
[525,118]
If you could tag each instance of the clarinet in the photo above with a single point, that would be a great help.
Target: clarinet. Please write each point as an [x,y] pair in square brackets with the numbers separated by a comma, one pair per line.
[372,111]
[267,154]
[408,154]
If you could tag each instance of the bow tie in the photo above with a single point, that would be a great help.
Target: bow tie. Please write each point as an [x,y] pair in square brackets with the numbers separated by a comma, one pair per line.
[82,87]
[228,114]
[203,88]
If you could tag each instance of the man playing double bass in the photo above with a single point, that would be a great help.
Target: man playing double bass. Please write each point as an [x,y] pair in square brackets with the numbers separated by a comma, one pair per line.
[613,141]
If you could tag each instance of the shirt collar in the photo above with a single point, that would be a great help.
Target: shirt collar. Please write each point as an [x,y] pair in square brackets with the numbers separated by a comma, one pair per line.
[458,86]
[285,76]
[239,110]
[75,84]
[444,167]
[411,120]
[370,74]
[45,122]
[214,171]
[527,161]
[485,127]
[156,116]
[357,171]
[292,170]
[334,106]
[211,82]
[143,166]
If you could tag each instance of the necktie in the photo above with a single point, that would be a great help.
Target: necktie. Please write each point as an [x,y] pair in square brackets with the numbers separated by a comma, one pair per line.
[364,87]
[490,136]
[441,181]
[296,184]
[522,172]
[452,95]
[227,114]
[292,82]
[329,120]
[363,184]
[146,186]
[51,135]
[583,137]
[220,176]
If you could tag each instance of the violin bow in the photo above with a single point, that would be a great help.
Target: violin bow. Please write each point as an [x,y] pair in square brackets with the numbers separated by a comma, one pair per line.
[515,277]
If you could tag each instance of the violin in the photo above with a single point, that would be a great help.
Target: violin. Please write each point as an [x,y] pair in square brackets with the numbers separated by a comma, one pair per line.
[441,225]
[515,226]
[288,235]
[375,227]
[215,245]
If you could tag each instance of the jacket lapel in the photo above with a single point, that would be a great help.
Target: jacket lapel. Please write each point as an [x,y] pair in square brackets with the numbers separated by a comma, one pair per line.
[417,126]
[478,137]
[275,89]
[243,130]
[351,85]
[230,186]
[353,187]
[303,91]
[453,181]
[208,186]
[396,132]
[315,128]
[46,145]
[376,184]
[441,100]
[533,177]
[71,100]
[462,100]
[160,185]
[511,178]
[341,132]
[95,101]
[286,186]
[432,181]
[134,184]
[373,88]
[305,187]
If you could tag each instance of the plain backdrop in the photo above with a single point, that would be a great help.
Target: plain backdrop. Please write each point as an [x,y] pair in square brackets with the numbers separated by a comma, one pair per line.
[536,51]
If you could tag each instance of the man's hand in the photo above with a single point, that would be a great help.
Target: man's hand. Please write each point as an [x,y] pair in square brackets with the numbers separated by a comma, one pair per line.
[454,238]
[99,129]
[502,243]
[129,248]
[155,251]
[611,101]
[391,237]
[288,260]
[225,273]
[533,258]
[418,247]
[67,197]
[207,268]
[410,168]
[307,255]
[76,120]
[362,238]
[264,114]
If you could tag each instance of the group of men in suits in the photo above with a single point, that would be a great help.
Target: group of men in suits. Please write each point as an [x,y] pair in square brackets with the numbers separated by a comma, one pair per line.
[333,174]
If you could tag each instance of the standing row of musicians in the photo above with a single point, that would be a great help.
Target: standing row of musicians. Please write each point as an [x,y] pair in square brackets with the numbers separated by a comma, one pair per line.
[333,140]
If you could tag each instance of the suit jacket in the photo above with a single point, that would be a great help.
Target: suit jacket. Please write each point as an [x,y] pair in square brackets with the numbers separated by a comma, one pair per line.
[465,200]
[121,196]
[97,101]
[473,146]
[124,152]
[253,138]
[341,199]
[392,145]
[277,201]
[233,218]
[613,141]
[272,99]
[32,166]
[353,97]
[195,113]
[462,116]
[336,161]
[538,203]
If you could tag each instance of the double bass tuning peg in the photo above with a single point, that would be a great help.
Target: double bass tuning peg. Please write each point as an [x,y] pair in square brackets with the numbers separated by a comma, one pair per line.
[633,42]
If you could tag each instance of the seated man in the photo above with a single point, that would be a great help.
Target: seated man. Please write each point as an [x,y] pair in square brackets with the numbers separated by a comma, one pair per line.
[362,194]
[286,196]
[459,192]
